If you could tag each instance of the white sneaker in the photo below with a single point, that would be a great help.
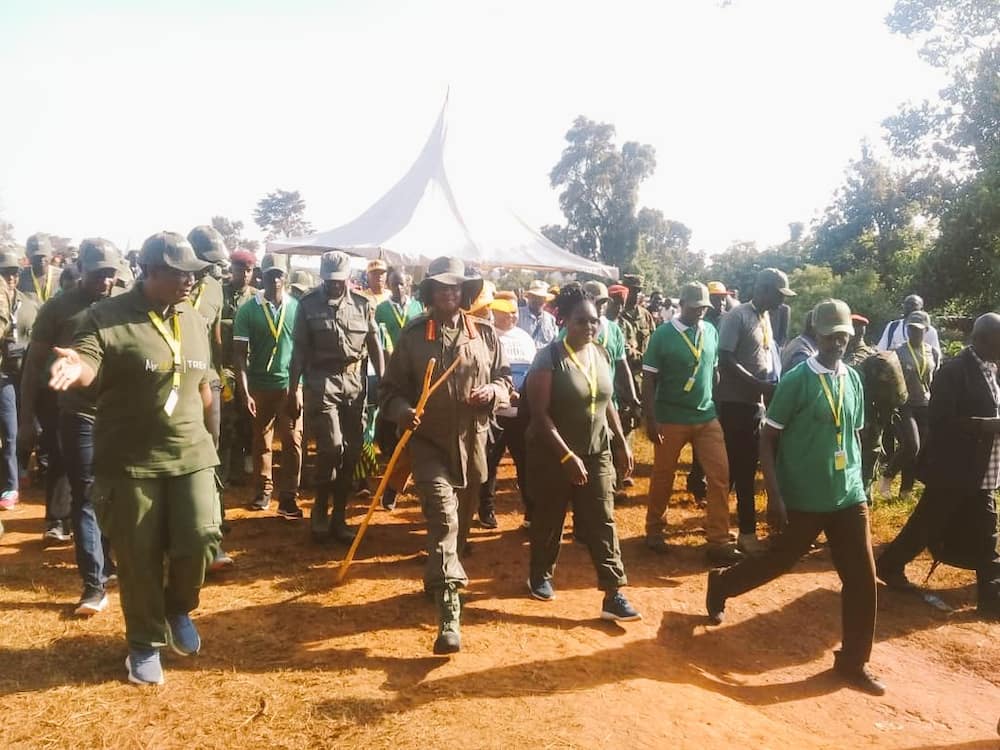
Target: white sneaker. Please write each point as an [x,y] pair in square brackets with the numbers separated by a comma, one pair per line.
[749,544]
[884,487]
[91,603]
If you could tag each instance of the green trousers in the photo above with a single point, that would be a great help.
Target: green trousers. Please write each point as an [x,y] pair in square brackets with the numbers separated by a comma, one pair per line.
[164,533]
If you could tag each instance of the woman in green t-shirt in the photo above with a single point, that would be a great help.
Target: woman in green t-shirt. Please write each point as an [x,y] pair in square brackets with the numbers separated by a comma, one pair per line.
[570,454]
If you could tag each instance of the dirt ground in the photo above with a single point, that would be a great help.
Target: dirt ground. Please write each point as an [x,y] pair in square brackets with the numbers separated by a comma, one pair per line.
[290,660]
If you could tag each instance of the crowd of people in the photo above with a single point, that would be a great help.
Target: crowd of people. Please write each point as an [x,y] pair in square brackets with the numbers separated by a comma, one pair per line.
[144,386]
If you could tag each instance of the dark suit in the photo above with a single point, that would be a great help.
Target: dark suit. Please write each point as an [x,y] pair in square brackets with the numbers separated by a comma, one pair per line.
[952,468]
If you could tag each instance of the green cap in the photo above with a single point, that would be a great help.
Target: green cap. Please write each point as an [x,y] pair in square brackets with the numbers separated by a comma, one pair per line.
[832,316]
[301,280]
[919,318]
[695,294]
[208,244]
[335,266]
[172,250]
[773,278]
[9,257]
[270,263]
[597,290]
[99,254]
[39,244]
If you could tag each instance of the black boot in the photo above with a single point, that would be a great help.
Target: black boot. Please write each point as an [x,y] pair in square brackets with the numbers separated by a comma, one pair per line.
[319,520]
[339,529]
[449,638]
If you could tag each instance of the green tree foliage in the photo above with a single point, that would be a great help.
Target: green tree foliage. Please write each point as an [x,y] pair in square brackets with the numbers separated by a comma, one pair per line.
[862,290]
[875,221]
[282,214]
[232,234]
[600,192]
[737,266]
[664,256]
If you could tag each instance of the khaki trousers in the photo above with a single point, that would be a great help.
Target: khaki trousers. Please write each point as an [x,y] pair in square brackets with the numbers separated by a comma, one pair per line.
[272,416]
[708,442]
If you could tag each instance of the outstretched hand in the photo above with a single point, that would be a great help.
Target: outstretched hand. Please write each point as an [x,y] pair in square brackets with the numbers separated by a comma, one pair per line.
[65,370]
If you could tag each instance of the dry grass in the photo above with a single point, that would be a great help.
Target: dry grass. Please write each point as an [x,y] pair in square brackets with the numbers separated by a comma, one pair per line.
[290,660]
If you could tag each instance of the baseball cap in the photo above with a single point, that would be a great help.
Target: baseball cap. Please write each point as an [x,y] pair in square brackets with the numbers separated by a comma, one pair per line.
[597,290]
[538,288]
[772,277]
[376,264]
[619,292]
[717,287]
[695,294]
[301,280]
[99,254]
[919,318]
[859,318]
[270,264]
[335,266]
[170,249]
[9,258]
[39,244]
[632,280]
[208,244]
[832,316]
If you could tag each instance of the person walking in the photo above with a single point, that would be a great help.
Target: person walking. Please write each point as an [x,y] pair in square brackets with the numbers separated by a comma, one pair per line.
[40,280]
[961,469]
[575,442]
[235,429]
[262,350]
[918,361]
[448,448]
[894,334]
[749,368]
[155,495]
[811,457]
[333,336]
[15,318]
[679,372]
[534,318]
[56,326]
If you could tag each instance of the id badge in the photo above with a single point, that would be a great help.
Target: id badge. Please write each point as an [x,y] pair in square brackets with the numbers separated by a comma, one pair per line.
[839,460]
[171,402]
[689,384]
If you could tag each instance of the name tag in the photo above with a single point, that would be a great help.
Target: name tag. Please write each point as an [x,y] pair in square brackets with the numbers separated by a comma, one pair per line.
[839,460]
[171,402]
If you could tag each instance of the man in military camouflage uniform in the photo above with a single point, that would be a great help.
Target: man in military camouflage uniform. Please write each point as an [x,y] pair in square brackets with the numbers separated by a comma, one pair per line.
[40,280]
[448,449]
[235,434]
[334,335]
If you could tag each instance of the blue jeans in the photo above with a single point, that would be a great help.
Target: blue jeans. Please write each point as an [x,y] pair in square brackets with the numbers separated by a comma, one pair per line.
[93,557]
[57,492]
[8,432]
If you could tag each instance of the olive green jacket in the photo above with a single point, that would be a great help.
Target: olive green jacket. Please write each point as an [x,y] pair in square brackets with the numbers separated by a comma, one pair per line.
[452,433]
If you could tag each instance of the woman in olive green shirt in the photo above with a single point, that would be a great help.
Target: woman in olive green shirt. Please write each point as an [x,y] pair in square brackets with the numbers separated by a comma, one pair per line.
[570,454]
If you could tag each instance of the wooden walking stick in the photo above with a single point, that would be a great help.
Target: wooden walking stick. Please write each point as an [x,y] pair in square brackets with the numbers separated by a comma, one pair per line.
[425,393]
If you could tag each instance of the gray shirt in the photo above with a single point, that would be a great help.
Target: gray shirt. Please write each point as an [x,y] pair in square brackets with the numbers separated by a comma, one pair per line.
[747,334]
[797,350]
[542,327]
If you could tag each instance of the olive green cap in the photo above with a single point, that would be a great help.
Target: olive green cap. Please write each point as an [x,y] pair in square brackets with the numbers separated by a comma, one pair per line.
[832,316]
[695,294]
[172,250]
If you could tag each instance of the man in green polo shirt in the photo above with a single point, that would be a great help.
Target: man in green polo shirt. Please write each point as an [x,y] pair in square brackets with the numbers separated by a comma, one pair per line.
[155,491]
[393,314]
[810,452]
[679,372]
[262,347]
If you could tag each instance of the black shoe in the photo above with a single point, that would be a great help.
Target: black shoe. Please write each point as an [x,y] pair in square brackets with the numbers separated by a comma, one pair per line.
[389,499]
[488,519]
[990,612]
[715,602]
[894,579]
[261,502]
[343,533]
[724,555]
[289,509]
[319,521]
[656,543]
[857,676]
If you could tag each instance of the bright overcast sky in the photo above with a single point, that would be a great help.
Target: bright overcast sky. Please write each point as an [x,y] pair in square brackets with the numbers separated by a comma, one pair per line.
[124,118]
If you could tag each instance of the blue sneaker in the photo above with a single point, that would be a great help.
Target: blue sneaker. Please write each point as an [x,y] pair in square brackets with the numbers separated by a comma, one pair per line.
[542,591]
[182,636]
[143,665]
[616,607]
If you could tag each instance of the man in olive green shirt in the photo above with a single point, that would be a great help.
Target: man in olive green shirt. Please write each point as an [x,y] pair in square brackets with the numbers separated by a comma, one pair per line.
[155,489]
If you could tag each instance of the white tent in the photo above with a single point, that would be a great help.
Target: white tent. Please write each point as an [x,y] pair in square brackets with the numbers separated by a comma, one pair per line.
[419,219]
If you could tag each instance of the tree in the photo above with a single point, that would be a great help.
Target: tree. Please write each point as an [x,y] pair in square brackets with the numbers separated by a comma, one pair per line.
[281,214]
[232,234]
[600,192]
[664,256]
[860,289]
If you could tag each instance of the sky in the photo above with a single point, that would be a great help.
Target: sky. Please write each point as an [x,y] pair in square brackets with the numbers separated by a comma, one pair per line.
[121,119]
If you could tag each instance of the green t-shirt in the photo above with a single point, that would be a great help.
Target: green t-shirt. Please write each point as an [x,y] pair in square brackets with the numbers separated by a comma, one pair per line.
[56,325]
[392,319]
[582,425]
[133,434]
[669,356]
[807,476]
[252,327]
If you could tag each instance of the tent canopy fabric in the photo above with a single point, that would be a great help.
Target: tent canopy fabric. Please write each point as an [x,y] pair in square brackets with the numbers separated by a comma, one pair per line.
[420,219]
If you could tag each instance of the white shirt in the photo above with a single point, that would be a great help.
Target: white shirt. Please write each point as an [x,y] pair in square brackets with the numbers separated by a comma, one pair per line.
[519,349]
[899,337]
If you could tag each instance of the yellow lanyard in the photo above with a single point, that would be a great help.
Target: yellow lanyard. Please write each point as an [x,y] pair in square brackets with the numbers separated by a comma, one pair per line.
[197,295]
[401,320]
[591,376]
[173,341]
[696,348]
[276,328]
[921,364]
[43,295]
[837,410]
[765,324]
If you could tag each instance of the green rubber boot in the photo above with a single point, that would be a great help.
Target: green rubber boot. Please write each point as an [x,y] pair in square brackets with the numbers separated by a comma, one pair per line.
[449,638]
